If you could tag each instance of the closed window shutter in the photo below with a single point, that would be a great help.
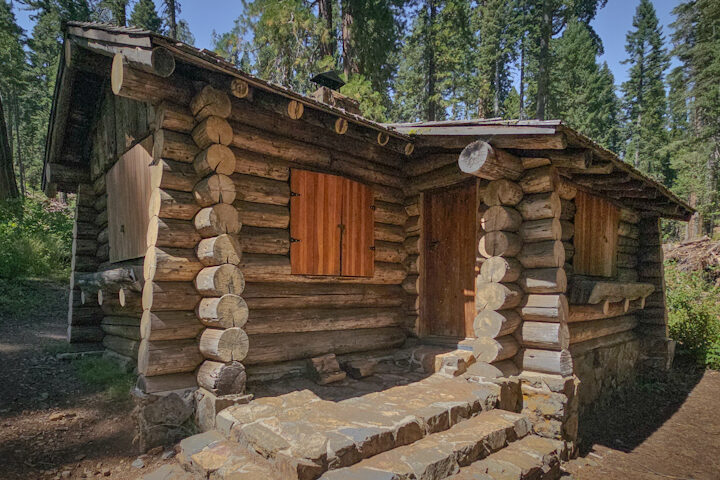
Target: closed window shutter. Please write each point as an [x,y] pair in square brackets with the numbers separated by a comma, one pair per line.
[358,257]
[315,219]
[596,231]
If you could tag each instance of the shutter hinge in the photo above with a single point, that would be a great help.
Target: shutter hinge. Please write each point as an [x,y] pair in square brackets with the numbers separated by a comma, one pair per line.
[372,207]
[293,240]
[372,248]
[294,194]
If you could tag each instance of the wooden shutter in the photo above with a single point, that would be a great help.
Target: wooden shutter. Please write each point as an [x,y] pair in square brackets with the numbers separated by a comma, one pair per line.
[315,219]
[358,258]
[596,231]
[128,191]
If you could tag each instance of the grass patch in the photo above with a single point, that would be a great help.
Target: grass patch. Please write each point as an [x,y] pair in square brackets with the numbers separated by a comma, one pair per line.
[105,375]
[27,298]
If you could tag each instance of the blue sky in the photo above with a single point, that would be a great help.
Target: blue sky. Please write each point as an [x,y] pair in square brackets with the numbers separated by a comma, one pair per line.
[611,23]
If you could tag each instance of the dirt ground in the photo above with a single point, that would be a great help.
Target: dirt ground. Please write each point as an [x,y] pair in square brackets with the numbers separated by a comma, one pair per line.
[52,425]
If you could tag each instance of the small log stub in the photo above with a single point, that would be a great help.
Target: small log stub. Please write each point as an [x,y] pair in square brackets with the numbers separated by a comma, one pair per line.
[545,308]
[546,361]
[220,280]
[499,244]
[546,335]
[499,217]
[226,345]
[502,192]
[223,312]
[210,101]
[500,269]
[497,296]
[482,160]
[111,280]
[295,109]
[217,219]
[239,88]
[222,378]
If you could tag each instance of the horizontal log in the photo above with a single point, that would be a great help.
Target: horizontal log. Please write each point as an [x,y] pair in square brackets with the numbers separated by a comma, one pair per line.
[66,176]
[210,101]
[546,254]
[583,313]
[166,357]
[316,320]
[174,146]
[171,116]
[170,264]
[584,331]
[566,191]
[164,296]
[169,325]
[123,346]
[539,206]
[629,216]
[546,361]
[262,215]
[500,217]
[584,291]
[121,321]
[582,348]
[124,331]
[222,378]
[172,175]
[292,346]
[85,230]
[259,165]
[143,86]
[167,232]
[625,260]
[275,241]
[479,158]
[110,280]
[494,324]
[389,233]
[412,225]
[172,204]
[84,334]
[495,350]
[391,213]
[390,252]
[540,180]
[502,192]
[543,280]
[224,345]
[500,269]
[85,316]
[261,190]
[281,296]
[544,335]
[628,230]
[412,245]
[545,308]
[227,311]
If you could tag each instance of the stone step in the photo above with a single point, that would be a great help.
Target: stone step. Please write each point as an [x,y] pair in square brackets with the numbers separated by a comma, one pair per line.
[171,471]
[440,454]
[532,458]
[211,455]
[304,436]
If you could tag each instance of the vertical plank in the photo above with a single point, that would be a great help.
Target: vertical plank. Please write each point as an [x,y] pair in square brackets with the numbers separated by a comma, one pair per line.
[596,227]
[128,190]
[357,257]
[315,219]
[449,220]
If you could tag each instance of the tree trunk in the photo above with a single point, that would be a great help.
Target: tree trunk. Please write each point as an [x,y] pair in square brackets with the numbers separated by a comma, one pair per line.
[430,61]
[349,65]
[328,47]
[8,187]
[18,148]
[522,79]
[543,81]
[172,10]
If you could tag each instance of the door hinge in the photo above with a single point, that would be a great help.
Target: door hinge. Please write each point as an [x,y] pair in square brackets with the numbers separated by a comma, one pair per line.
[372,248]
[294,194]
[372,207]
[293,240]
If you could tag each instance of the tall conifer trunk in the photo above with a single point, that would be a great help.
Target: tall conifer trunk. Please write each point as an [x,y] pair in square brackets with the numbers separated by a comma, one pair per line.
[543,81]
[327,45]
[349,65]
[8,187]
[430,61]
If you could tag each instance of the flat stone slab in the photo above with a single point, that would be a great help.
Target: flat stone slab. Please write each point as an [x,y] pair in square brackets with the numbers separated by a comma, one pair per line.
[171,471]
[442,454]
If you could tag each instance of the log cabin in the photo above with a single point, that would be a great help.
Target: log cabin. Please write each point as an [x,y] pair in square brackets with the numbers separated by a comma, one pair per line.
[229,231]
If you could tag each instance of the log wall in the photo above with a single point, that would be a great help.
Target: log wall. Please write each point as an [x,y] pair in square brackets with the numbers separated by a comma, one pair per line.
[122,123]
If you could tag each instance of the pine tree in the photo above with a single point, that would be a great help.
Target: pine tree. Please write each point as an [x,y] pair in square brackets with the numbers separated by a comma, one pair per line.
[118,10]
[644,101]
[583,92]
[144,15]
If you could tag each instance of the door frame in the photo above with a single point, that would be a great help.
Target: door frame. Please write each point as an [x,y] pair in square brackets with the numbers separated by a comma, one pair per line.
[422,326]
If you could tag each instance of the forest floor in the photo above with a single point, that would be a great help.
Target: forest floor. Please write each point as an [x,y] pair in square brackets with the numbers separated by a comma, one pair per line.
[56,422]
[58,419]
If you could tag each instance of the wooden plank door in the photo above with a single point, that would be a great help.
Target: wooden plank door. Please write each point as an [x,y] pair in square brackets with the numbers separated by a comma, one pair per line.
[358,258]
[449,233]
[315,223]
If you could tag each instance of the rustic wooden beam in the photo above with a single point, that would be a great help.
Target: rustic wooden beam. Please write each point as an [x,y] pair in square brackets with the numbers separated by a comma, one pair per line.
[482,160]
[66,175]
[510,140]
[575,159]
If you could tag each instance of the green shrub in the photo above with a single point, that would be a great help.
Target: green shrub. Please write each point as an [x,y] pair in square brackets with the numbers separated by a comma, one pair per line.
[35,239]
[694,315]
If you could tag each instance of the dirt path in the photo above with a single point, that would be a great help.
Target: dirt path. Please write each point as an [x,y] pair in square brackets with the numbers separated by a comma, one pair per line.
[52,424]
[665,428]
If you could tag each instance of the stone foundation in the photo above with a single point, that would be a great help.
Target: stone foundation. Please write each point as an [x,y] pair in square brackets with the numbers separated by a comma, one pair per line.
[162,419]
[208,405]
[604,370]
